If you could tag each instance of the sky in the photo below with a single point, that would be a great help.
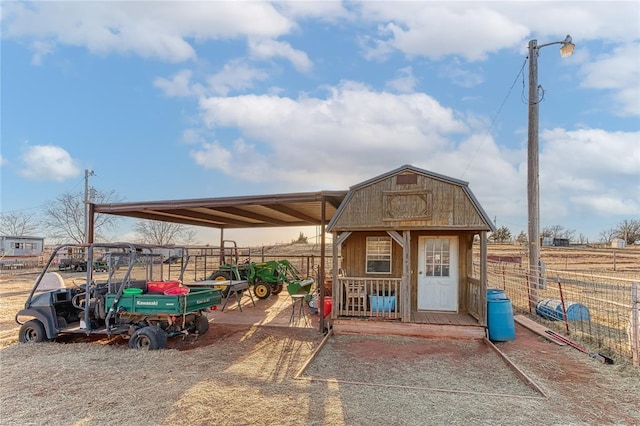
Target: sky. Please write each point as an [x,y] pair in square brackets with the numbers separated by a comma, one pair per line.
[180,100]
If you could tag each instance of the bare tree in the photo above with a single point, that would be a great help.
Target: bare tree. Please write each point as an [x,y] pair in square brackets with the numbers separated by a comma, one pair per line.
[164,233]
[558,231]
[18,224]
[64,217]
[607,235]
[628,230]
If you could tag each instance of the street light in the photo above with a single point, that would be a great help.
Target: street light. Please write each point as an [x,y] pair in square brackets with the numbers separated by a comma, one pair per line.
[533,194]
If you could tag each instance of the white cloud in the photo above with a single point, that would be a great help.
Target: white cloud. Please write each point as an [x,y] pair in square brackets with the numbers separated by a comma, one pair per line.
[192,136]
[473,30]
[266,49]
[3,161]
[236,75]
[460,75]
[435,30]
[590,168]
[161,30]
[179,85]
[618,71]
[214,156]
[312,141]
[405,82]
[41,49]
[48,162]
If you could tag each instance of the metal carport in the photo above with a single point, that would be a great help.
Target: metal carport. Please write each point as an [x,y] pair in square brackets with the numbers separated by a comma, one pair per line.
[259,211]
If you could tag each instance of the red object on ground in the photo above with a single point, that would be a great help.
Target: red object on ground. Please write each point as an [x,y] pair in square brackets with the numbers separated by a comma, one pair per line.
[175,291]
[161,286]
[328,303]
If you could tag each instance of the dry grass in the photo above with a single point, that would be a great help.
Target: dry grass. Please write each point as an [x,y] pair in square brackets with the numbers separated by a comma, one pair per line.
[246,375]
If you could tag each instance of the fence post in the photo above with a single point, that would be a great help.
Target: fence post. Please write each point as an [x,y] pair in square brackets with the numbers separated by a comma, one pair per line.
[634,331]
[564,309]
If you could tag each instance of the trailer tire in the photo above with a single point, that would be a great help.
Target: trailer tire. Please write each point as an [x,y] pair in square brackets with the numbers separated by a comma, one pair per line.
[32,331]
[145,338]
[261,289]
[201,324]
[161,335]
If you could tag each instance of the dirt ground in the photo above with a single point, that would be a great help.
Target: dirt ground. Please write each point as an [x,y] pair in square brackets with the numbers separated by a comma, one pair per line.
[250,369]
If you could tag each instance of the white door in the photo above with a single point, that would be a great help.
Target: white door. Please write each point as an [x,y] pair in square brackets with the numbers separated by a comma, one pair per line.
[438,274]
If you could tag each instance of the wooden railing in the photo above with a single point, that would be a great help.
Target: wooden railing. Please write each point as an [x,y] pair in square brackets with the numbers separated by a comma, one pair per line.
[475,301]
[368,297]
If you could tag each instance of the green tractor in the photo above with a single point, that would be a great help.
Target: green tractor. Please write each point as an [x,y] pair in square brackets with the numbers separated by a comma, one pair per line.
[267,278]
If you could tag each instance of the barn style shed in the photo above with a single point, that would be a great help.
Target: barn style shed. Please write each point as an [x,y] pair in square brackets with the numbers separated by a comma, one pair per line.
[406,243]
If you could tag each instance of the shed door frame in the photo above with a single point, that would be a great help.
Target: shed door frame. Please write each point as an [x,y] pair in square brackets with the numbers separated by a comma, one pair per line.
[438,273]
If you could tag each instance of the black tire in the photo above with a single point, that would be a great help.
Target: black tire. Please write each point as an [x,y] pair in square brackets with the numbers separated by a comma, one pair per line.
[222,276]
[201,324]
[161,335]
[145,338]
[276,289]
[32,331]
[261,289]
[62,323]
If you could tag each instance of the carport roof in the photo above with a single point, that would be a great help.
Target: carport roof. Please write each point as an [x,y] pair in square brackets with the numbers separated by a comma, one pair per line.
[260,211]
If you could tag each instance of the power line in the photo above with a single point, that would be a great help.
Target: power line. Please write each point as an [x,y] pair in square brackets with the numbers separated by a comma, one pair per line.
[504,101]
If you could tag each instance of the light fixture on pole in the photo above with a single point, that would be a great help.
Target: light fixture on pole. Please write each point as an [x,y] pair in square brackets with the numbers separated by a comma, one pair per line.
[533,188]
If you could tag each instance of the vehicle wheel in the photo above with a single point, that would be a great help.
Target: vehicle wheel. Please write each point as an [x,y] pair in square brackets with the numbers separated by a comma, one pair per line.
[201,324]
[161,335]
[32,331]
[145,338]
[62,323]
[276,289]
[261,289]
[222,276]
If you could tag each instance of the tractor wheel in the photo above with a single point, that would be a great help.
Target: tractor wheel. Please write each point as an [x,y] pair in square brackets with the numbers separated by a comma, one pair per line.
[145,338]
[222,276]
[32,331]
[261,289]
[276,289]
[161,335]
[201,324]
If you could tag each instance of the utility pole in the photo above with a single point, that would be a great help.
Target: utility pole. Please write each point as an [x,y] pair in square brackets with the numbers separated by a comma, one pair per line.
[87,200]
[533,187]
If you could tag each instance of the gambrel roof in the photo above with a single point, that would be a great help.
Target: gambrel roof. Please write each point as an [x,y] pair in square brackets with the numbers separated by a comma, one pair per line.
[411,198]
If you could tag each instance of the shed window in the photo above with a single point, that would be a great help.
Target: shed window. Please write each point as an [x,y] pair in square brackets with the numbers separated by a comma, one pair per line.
[379,255]
[438,261]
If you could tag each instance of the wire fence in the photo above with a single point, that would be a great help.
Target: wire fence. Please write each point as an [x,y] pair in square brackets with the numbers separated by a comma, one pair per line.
[599,310]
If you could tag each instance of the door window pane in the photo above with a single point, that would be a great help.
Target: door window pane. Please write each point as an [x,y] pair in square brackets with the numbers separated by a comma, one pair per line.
[437,258]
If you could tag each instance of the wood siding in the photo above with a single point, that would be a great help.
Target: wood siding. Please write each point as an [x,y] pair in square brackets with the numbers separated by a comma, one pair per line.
[430,203]
[354,253]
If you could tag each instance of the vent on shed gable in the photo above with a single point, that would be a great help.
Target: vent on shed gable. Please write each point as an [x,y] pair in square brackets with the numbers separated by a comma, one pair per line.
[407,179]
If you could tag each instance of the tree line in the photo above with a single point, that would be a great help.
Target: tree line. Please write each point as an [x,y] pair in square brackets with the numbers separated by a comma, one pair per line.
[63,220]
[627,230]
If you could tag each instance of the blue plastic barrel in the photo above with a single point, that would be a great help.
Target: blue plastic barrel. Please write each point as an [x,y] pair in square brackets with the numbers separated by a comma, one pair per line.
[500,320]
[552,309]
[495,294]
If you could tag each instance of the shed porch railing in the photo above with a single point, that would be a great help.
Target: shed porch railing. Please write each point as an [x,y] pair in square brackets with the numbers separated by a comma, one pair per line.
[368,297]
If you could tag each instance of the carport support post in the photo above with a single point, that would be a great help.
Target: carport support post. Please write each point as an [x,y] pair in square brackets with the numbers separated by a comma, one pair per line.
[90,223]
[322,262]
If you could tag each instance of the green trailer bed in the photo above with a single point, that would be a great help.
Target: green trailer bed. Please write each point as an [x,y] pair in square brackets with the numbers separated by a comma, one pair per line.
[196,300]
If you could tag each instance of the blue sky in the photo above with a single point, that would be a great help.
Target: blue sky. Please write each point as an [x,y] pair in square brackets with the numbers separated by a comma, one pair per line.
[177,100]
